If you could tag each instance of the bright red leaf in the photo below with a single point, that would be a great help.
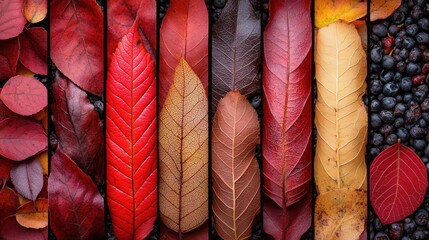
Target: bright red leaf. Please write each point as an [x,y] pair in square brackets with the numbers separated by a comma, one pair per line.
[34,50]
[21,138]
[77,42]
[398,183]
[9,201]
[183,34]
[27,177]
[9,53]
[12,21]
[76,207]
[131,139]
[24,95]
[11,230]
[78,127]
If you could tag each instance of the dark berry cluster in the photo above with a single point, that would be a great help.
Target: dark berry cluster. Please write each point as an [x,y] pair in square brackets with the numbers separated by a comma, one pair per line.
[399,99]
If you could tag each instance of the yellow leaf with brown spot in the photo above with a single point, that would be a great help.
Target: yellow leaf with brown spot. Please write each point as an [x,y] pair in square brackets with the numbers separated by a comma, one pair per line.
[35,10]
[183,152]
[33,214]
[381,9]
[329,11]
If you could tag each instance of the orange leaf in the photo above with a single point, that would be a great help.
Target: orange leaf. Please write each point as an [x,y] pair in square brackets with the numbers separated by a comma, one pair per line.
[329,11]
[33,215]
[381,9]
[43,160]
[35,10]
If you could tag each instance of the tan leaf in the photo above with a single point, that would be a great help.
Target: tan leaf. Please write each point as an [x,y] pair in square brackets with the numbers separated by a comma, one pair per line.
[329,11]
[183,153]
[35,10]
[362,30]
[236,177]
[381,9]
[33,215]
[340,117]
[340,214]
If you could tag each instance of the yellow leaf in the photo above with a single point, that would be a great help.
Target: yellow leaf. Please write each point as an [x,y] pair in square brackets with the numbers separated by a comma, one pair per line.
[340,117]
[43,160]
[329,11]
[35,10]
[340,214]
[183,153]
[22,200]
[381,9]
[33,215]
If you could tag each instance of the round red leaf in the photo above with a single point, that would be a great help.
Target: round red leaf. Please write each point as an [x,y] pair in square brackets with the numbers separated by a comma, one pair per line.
[12,21]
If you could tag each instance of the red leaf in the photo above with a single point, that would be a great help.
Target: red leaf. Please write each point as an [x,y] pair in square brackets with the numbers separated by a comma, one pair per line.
[78,127]
[9,53]
[24,95]
[11,230]
[5,167]
[27,177]
[121,15]
[34,50]
[21,138]
[76,207]
[183,34]
[9,203]
[77,42]
[4,111]
[131,138]
[12,21]
[287,113]
[398,182]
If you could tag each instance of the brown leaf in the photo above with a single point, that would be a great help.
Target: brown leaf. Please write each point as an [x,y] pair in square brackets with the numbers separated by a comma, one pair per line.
[381,9]
[235,171]
[183,153]
[329,11]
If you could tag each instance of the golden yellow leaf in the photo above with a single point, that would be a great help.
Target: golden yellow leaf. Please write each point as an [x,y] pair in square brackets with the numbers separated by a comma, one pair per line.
[43,160]
[33,215]
[381,9]
[329,11]
[340,214]
[183,153]
[22,200]
[35,10]
[340,117]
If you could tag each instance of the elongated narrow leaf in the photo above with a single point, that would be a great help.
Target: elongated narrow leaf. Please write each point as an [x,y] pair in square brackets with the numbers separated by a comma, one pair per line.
[76,208]
[9,53]
[398,183]
[21,138]
[78,127]
[287,116]
[183,153]
[235,171]
[12,21]
[131,139]
[340,118]
[27,177]
[33,214]
[329,11]
[35,10]
[34,50]
[183,34]
[77,42]
[236,51]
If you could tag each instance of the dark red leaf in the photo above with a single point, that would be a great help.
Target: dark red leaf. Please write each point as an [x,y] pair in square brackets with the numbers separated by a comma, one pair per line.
[34,50]
[21,138]
[27,177]
[24,95]
[398,183]
[9,203]
[131,138]
[12,21]
[4,111]
[183,34]
[76,207]
[78,127]
[5,167]
[11,230]
[287,116]
[9,53]
[77,42]
[236,45]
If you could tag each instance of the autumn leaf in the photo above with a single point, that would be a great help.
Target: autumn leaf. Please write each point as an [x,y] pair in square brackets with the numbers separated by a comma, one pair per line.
[183,153]
[76,208]
[201,233]
[329,11]
[12,21]
[21,138]
[34,50]
[363,33]
[381,9]
[340,214]
[183,34]
[236,45]
[235,171]
[35,10]
[9,201]
[9,53]
[27,177]
[76,32]
[340,114]
[33,214]
[131,138]
[5,167]
[24,95]
[398,183]
[11,230]
[43,160]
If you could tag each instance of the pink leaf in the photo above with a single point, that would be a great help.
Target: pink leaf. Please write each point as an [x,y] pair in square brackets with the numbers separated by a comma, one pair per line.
[27,177]
[34,50]
[12,21]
